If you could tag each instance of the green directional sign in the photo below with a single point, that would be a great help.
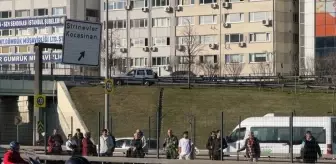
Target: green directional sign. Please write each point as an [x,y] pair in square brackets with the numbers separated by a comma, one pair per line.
[40,127]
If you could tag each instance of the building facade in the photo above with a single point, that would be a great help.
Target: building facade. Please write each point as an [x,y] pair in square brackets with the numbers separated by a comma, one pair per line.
[26,22]
[219,37]
[317,37]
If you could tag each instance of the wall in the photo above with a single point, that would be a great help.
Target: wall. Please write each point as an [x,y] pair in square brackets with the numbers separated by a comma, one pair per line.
[67,109]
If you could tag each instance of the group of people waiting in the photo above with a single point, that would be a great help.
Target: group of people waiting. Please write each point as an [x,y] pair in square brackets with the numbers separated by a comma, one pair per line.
[80,144]
[214,145]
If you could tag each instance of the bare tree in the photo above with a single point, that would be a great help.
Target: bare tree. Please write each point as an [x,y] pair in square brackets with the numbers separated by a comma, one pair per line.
[261,69]
[114,46]
[192,46]
[209,68]
[234,69]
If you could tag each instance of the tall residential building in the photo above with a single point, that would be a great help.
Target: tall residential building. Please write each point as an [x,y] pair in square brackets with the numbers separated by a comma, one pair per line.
[26,22]
[227,37]
[317,37]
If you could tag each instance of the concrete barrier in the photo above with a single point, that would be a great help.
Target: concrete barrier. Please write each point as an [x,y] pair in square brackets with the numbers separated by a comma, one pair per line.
[144,160]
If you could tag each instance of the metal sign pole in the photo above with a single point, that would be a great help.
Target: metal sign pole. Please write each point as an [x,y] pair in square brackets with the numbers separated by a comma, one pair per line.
[107,96]
[17,133]
[37,86]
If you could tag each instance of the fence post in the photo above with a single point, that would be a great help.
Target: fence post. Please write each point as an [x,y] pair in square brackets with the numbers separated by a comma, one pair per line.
[239,125]
[157,135]
[291,132]
[71,126]
[45,132]
[194,130]
[17,133]
[98,136]
[149,132]
[222,129]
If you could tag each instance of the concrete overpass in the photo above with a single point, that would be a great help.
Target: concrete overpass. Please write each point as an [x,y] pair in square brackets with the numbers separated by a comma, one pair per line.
[25,88]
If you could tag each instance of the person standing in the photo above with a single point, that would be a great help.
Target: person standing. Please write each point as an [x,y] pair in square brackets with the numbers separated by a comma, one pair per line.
[209,144]
[185,147]
[55,143]
[78,138]
[310,149]
[143,140]
[252,147]
[106,143]
[171,145]
[217,146]
[70,145]
[114,143]
[88,148]
[137,147]
[12,156]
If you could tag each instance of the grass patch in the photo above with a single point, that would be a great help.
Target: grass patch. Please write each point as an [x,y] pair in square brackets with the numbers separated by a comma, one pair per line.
[131,106]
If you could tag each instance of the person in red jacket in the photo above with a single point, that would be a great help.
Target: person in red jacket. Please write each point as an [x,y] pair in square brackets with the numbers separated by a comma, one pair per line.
[88,149]
[12,156]
[55,143]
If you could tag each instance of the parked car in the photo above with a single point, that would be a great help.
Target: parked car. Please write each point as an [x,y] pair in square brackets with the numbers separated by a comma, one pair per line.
[145,76]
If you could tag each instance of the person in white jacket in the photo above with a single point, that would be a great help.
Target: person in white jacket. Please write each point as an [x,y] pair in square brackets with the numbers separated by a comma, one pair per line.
[143,140]
[106,144]
[71,145]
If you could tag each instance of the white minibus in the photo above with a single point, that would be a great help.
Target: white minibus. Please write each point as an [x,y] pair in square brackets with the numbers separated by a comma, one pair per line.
[273,133]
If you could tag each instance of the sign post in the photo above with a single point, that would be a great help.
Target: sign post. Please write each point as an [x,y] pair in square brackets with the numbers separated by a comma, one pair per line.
[17,122]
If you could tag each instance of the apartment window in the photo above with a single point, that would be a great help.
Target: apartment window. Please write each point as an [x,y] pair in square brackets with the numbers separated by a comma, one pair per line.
[92,13]
[119,24]
[22,31]
[23,67]
[207,39]
[57,29]
[160,61]
[185,21]
[234,1]
[5,14]
[138,23]
[207,1]
[161,41]
[258,57]
[260,37]
[234,18]
[208,19]
[161,22]
[117,5]
[157,3]
[5,49]
[138,42]
[40,30]
[183,40]
[139,3]
[121,43]
[186,2]
[211,59]
[7,32]
[22,49]
[138,62]
[183,59]
[22,13]
[296,38]
[58,11]
[295,17]
[259,16]
[234,58]
[40,12]
[234,38]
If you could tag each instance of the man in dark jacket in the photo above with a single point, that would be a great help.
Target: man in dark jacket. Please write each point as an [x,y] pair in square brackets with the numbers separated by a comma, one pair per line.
[209,144]
[55,143]
[78,138]
[310,149]
[216,146]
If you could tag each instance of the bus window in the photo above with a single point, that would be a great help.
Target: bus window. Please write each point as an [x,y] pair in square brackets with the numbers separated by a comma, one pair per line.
[318,133]
[271,134]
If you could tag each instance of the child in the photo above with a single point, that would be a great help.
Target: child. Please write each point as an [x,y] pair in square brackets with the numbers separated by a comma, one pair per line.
[70,145]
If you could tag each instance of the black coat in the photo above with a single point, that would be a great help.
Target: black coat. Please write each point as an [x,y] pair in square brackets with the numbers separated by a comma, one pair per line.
[310,150]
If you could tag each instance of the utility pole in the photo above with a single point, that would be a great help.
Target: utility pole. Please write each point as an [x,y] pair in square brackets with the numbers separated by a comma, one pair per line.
[107,75]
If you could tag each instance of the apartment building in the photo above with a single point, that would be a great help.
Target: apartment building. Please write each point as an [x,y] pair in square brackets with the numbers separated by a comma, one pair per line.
[26,22]
[317,37]
[229,37]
